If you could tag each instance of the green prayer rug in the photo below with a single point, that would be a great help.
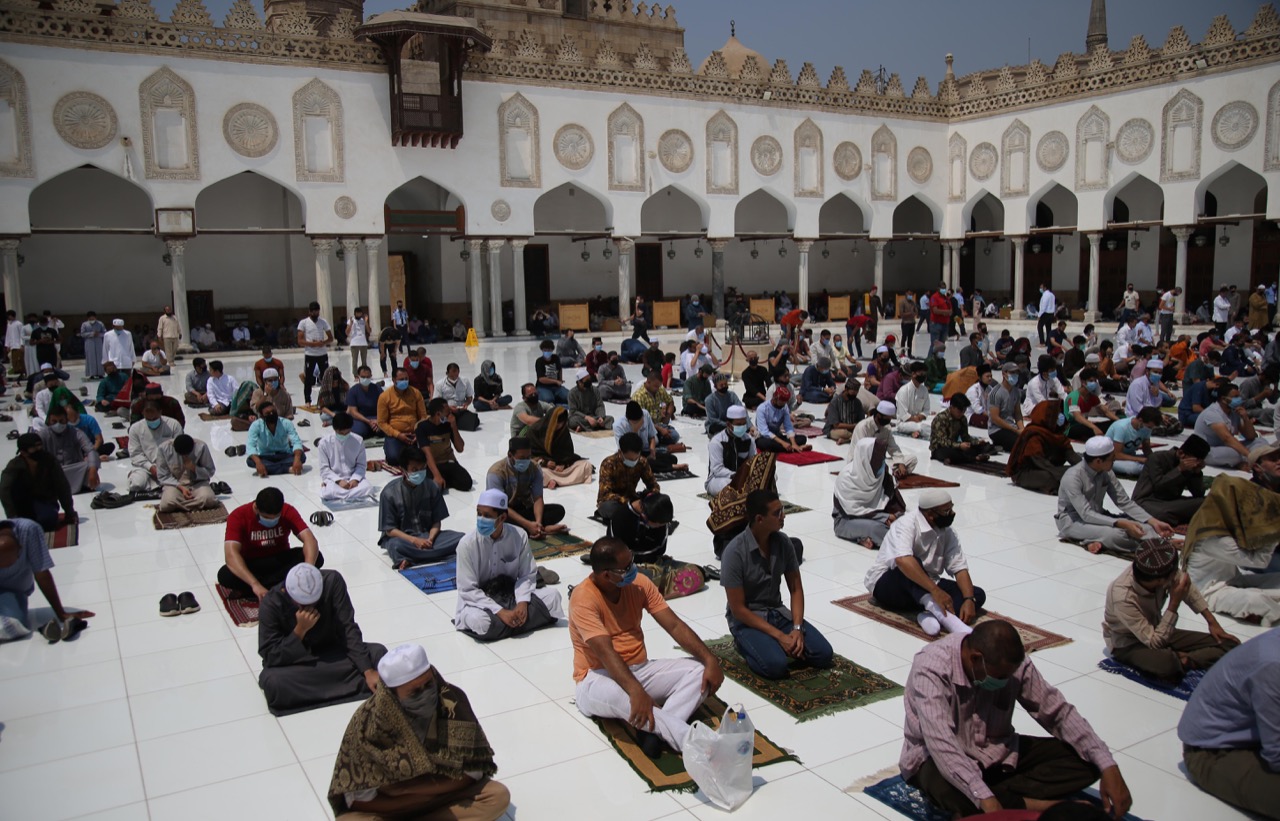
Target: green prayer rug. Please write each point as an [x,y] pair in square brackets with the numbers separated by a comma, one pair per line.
[809,692]
[787,507]
[558,546]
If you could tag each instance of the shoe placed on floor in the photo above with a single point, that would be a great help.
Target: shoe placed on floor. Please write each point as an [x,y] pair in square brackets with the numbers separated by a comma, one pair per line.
[146,495]
[169,605]
[231,451]
[546,577]
[187,603]
[650,744]
[322,518]
[221,488]
[240,450]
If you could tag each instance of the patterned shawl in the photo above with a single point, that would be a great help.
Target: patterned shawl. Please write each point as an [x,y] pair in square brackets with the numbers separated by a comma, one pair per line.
[729,507]
[63,397]
[1242,509]
[1043,437]
[380,747]
[551,440]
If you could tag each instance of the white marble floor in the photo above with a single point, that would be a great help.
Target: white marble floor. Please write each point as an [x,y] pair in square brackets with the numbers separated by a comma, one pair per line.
[145,717]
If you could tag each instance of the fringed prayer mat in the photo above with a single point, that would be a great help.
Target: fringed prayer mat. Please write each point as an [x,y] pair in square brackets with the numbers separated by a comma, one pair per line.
[182,518]
[674,475]
[809,457]
[787,507]
[67,535]
[1182,690]
[900,796]
[1103,551]
[433,578]
[243,611]
[375,442]
[209,417]
[376,465]
[558,546]
[808,692]
[667,772]
[914,481]
[594,434]
[308,408]
[1033,638]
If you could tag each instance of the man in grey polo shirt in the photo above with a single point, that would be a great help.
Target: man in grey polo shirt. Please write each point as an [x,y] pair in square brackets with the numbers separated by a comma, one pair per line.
[1004,409]
[767,633]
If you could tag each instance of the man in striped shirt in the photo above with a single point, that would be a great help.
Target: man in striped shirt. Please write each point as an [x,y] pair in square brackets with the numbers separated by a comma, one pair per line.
[960,748]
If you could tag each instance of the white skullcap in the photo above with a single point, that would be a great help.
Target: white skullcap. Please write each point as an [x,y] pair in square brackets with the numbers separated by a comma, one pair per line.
[403,664]
[886,408]
[934,497]
[492,497]
[1155,363]
[1099,446]
[581,374]
[271,373]
[1092,359]
[304,584]
[45,366]
[119,323]
[882,349]
[736,412]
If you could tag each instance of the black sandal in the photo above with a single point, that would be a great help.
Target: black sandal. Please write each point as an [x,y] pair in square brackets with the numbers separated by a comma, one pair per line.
[13,434]
[240,450]
[4,417]
[231,451]
[221,488]
[303,423]
[322,518]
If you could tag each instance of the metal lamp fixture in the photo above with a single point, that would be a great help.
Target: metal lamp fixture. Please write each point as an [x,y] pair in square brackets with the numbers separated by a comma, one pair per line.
[465,254]
[964,250]
[698,250]
[1036,247]
[1111,244]
[986,252]
[586,255]
[1224,240]
[891,253]
[340,254]
[923,250]
[671,250]
[782,248]
[167,259]
[1136,244]
[856,251]
[607,253]
[1201,240]
[1059,248]
[826,252]
[755,252]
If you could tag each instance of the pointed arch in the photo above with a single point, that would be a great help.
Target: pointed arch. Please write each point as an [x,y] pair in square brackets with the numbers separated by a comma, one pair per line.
[842,214]
[916,214]
[966,213]
[1183,121]
[564,209]
[763,211]
[673,209]
[258,202]
[884,165]
[626,150]
[808,156]
[90,195]
[1015,160]
[170,140]
[519,148]
[1138,192]
[16,120]
[722,154]
[1093,157]
[318,134]
[957,176]
[1229,173]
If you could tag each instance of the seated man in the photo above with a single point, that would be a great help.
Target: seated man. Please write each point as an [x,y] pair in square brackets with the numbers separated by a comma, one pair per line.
[438,435]
[1228,729]
[400,409]
[274,391]
[417,366]
[1088,415]
[74,452]
[1227,428]
[765,631]
[1132,438]
[1169,474]
[960,747]
[635,419]
[43,399]
[642,520]
[729,450]
[33,486]
[912,403]
[222,389]
[1043,386]
[529,411]
[82,420]
[145,438]
[498,595]
[416,750]
[907,575]
[817,385]
[876,425]
[696,390]
[655,399]
[411,511]
[362,404]
[197,394]
[343,462]
[521,480]
[313,653]
[949,439]
[268,360]
[1139,635]
[109,388]
[274,444]
[459,395]
[1149,390]
[586,408]
[1082,515]
[718,403]
[776,433]
[153,361]
[24,565]
[256,550]
[612,378]
[549,376]
[169,407]
[569,351]
[615,677]
[184,468]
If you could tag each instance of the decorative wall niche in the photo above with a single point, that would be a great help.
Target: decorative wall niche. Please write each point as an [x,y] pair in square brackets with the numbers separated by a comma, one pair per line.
[809,176]
[1015,160]
[519,149]
[1093,154]
[317,134]
[1272,161]
[170,147]
[1180,137]
[16,159]
[722,154]
[884,164]
[957,178]
[626,150]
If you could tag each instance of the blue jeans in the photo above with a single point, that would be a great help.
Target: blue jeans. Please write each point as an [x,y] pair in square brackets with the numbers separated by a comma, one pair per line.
[277,463]
[766,657]
[501,400]
[671,437]
[14,605]
[937,333]
[391,448]
[445,545]
[45,512]
[553,395]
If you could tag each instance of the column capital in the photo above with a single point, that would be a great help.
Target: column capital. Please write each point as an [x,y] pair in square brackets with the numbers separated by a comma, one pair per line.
[373,243]
[625,244]
[1018,242]
[803,245]
[518,242]
[879,244]
[9,244]
[176,247]
[1182,233]
[323,245]
[719,243]
[476,245]
[1094,237]
[494,244]
[350,245]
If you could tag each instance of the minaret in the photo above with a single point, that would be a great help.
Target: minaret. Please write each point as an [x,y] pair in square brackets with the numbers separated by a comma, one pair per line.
[1097,35]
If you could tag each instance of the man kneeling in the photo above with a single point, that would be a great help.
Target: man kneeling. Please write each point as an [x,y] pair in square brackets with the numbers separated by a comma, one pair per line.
[343,462]
[312,650]
[615,677]
[497,578]
[415,750]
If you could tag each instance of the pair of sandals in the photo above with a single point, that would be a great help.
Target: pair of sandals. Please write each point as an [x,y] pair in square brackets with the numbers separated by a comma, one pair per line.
[179,605]
[321,518]
[235,450]
[55,631]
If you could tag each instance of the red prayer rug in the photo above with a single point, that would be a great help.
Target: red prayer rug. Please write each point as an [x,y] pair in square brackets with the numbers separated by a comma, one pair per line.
[811,457]
[243,611]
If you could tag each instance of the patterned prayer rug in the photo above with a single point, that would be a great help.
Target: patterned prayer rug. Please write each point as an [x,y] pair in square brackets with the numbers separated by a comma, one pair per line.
[181,519]
[308,408]
[1033,638]
[808,692]
[376,465]
[809,457]
[900,796]
[914,481]
[674,475]
[375,442]
[594,434]
[558,546]
[787,507]
[433,578]
[667,772]
[68,535]
[1182,690]
[243,611]
[809,431]
[209,417]
[988,468]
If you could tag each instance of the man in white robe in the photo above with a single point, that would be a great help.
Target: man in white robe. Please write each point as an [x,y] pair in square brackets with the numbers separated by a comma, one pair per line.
[15,346]
[342,465]
[117,346]
[498,595]
[92,331]
[145,437]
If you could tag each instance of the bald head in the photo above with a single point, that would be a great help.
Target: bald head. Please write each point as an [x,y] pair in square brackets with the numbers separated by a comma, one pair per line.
[998,642]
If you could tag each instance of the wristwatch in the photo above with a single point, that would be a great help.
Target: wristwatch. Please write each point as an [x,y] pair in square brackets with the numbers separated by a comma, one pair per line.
[970,598]
[799,628]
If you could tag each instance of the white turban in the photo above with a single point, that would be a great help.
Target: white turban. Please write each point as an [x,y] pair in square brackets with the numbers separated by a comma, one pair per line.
[886,408]
[304,584]
[934,497]
[403,664]
[494,498]
[581,374]
[1156,364]
[1099,446]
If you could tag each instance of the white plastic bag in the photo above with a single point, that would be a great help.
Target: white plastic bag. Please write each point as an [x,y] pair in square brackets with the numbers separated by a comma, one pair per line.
[720,761]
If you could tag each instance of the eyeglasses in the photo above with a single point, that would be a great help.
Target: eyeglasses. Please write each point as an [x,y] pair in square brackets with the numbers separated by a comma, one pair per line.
[622,572]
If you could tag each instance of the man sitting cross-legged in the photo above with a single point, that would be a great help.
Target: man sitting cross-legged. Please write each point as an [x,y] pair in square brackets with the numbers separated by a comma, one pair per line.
[274,444]
[615,677]
[498,595]
[145,437]
[257,548]
[521,480]
[411,511]
[343,461]
[185,467]
[1082,515]
[312,650]
[1166,475]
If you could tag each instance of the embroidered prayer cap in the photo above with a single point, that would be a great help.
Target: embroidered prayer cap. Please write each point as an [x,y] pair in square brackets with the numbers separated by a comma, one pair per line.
[1099,446]
[736,412]
[494,498]
[118,323]
[934,497]
[1156,558]
[304,584]
[403,664]
[1092,359]
[581,374]
[270,373]
[886,408]
[1155,364]
[46,367]
[882,349]
[783,392]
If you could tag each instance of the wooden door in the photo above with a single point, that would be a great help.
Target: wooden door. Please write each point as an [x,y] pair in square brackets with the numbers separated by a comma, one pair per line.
[537,277]
[396,278]
[199,309]
[1113,274]
[1266,254]
[648,270]
[1200,285]
[969,265]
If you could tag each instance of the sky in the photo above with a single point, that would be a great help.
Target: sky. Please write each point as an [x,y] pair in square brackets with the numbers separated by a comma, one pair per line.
[855,34]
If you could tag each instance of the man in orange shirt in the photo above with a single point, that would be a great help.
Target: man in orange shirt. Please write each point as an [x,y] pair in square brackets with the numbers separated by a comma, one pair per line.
[616,678]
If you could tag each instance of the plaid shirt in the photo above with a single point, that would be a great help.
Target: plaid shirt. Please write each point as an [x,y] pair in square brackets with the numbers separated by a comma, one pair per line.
[658,404]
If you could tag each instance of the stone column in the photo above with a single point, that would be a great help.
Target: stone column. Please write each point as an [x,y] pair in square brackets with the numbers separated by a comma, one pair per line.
[625,247]
[878,245]
[946,262]
[495,287]
[324,281]
[1018,268]
[1095,268]
[717,276]
[803,246]
[476,247]
[517,280]
[956,245]
[371,245]
[1182,233]
[351,256]
[178,269]
[12,288]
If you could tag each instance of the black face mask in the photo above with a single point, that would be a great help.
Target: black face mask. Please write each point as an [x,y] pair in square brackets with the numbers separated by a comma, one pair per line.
[722,388]
[531,400]
[944,521]
[270,417]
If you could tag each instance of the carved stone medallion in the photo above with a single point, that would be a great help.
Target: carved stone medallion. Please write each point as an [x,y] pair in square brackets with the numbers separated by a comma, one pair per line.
[85,120]
[1234,125]
[982,162]
[1134,141]
[574,147]
[920,164]
[501,210]
[675,151]
[766,156]
[344,207]
[847,161]
[250,130]
[1052,150]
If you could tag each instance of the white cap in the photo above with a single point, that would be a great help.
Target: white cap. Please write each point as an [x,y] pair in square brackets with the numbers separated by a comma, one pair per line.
[736,412]
[304,584]
[882,349]
[886,408]
[1089,359]
[934,497]
[271,373]
[581,374]
[1099,446]
[1155,363]
[403,664]
[494,498]
[45,366]
[119,323]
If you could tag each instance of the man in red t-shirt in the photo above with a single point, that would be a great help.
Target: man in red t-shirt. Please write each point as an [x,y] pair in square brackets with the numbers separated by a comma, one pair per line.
[939,316]
[792,322]
[257,548]
[421,375]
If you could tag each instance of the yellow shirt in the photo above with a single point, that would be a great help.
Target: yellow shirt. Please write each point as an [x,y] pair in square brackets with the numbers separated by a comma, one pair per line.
[401,411]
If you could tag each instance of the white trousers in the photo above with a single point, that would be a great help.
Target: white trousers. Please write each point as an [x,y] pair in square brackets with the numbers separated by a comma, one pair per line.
[330,492]
[1215,567]
[478,619]
[674,684]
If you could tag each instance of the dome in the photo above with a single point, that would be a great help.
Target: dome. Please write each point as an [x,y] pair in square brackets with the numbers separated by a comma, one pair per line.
[735,54]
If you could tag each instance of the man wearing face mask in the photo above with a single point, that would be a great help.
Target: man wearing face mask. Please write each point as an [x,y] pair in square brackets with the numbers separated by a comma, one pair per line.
[718,403]
[1044,319]
[1148,390]
[949,439]
[1004,409]
[657,402]
[596,356]
[1082,515]
[314,337]
[274,444]
[498,595]
[73,451]
[729,450]
[399,410]
[343,462]
[586,408]
[844,413]
[521,480]
[612,378]
[411,512]
[755,381]
[457,392]
[697,388]
[1227,428]
[818,385]
[1088,415]
[417,366]
[569,351]
[636,420]
[549,376]
[877,426]
[117,346]
[1044,386]
[256,549]
[415,750]
[272,391]
[1132,436]
[362,404]
[33,485]
[642,520]
[529,411]
[438,436]
[960,747]
[776,433]
[940,310]
[912,403]
[145,437]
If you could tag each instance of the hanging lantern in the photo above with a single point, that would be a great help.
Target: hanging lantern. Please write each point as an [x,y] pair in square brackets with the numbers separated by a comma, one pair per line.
[1111,244]
[826,252]
[1224,240]
[166,259]
[755,252]
[586,255]
[671,250]
[341,254]
[465,254]
[986,252]
[1035,247]
[607,252]
[892,253]
[1135,245]
[1059,248]
[697,250]
[1201,240]
[782,248]
[923,250]
[964,250]
[856,250]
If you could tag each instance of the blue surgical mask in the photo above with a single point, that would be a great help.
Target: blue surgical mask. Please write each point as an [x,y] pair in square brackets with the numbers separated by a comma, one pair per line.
[266,359]
[154,423]
[630,462]
[1093,386]
[413,363]
[265,522]
[740,431]
[991,684]
[599,347]
[416,477]
[1051,375]
[365,381]
[342,437]
[1062,419]
[1013,378]
[629,576]
[546,354]
[402,384]
[1236,401]
[485,526]
[273,383]
[1154,378]
[521,465]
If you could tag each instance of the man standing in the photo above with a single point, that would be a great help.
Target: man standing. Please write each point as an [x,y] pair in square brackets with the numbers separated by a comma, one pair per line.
[117,346]
[411,511]
[498,595]
[24,565]
[358,339]
[1048,310]
[169,332]
[1168,302]
[92,331]
[875,310]
[1222,309]
[14,344]
[314,336]
[256,547]
[939,317]
[400,317]
[1082,515]
[343,462]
